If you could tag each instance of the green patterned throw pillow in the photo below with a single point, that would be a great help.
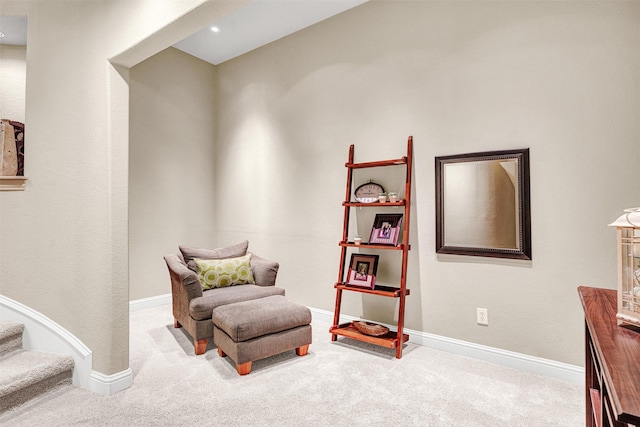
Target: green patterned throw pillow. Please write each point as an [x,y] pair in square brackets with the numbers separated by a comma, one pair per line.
[220,273]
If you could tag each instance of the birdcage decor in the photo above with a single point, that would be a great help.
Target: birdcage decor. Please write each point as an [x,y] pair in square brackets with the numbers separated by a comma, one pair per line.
[628,233]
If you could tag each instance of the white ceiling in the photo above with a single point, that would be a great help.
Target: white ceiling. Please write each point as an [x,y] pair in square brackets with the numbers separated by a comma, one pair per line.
[14,29]
[256,24]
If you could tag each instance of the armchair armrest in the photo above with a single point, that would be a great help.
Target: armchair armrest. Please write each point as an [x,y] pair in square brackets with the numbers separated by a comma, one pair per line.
[264,271]
[184,282]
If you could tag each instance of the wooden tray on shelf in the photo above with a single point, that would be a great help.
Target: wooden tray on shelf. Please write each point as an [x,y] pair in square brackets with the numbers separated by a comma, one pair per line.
[388,340]
[368,328]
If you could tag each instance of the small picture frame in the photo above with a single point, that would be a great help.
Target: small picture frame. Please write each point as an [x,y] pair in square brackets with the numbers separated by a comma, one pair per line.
[386,229]
[362,270]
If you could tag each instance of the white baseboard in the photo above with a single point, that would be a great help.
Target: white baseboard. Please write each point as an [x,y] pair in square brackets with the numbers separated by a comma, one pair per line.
[43,334]
[107,385]
[140,304]
[537,365]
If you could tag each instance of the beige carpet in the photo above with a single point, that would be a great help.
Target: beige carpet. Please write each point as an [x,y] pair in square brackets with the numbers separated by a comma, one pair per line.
[337,384]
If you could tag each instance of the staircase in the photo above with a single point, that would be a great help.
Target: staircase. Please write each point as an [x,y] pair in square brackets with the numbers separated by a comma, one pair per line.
[26,374]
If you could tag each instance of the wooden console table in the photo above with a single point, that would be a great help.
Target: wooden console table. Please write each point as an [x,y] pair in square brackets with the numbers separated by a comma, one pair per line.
[612,365]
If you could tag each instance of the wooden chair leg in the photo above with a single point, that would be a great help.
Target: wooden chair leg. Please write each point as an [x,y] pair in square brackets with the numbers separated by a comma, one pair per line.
[221,353]
[200,346]
[244,368]
[302,350]
[176,324]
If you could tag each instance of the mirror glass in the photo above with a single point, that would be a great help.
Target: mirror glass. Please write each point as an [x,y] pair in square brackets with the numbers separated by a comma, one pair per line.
[482,204]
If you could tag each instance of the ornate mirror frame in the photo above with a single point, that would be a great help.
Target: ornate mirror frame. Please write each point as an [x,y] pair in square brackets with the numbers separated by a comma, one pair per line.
[483,205]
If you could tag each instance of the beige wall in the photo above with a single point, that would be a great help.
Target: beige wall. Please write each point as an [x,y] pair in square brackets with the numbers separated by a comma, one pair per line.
[13,73]
[171,158]
[557,77]
[63,244]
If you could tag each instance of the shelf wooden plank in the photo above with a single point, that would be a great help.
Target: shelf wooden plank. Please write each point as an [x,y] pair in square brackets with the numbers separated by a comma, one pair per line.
[385,291]
[376,246]
[388,340]
[392,162]
[360,204]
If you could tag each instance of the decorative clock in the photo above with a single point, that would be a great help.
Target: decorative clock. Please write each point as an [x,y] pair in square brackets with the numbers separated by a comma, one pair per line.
[368,192]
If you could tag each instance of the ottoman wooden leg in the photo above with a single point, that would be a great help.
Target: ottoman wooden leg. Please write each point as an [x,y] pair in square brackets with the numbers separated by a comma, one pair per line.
[221,353]
[302,350]
[244,368]
[200,346]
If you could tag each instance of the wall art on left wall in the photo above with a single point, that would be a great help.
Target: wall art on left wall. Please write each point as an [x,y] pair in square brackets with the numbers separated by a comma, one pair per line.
[11,148]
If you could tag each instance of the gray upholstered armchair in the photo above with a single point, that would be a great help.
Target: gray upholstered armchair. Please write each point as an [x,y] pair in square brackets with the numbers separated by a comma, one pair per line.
[193,306]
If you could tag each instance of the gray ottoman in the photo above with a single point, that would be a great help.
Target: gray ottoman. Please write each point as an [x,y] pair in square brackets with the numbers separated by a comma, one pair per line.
[252,330]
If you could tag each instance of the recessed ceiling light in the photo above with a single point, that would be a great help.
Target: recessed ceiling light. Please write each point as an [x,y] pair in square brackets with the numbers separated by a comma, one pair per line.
[1,34]
[215,29]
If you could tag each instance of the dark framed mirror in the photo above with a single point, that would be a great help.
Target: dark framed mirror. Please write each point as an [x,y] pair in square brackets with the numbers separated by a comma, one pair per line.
[483,205]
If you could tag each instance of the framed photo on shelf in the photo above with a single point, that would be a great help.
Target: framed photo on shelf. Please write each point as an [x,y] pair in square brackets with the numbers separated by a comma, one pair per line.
[386,229]
[362,270]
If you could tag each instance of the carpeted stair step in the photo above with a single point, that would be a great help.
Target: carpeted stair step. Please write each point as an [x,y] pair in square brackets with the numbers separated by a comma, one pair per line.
[10,337]
[26,374]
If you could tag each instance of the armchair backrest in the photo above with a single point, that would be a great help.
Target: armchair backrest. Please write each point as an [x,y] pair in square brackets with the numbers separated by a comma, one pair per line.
[185,281]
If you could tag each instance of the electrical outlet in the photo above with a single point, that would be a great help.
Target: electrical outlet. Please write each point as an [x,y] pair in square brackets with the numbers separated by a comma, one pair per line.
[483,316]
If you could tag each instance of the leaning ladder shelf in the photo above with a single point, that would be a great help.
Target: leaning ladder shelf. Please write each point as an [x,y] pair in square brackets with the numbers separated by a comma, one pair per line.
[391,339]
